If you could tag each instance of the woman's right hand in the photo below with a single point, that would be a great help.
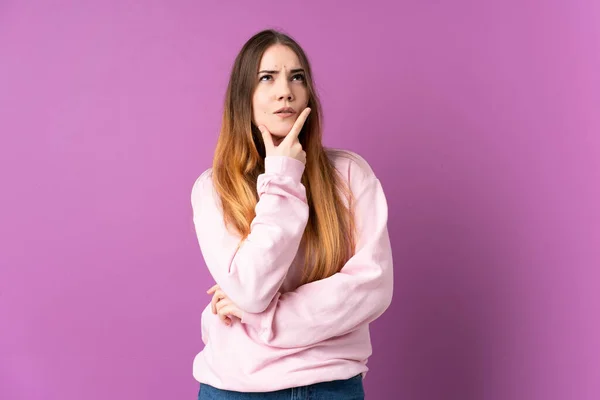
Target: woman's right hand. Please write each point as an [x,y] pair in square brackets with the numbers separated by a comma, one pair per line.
[290,146]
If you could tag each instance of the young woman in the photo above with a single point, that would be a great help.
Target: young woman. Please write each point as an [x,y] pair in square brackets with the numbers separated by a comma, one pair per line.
[295,237]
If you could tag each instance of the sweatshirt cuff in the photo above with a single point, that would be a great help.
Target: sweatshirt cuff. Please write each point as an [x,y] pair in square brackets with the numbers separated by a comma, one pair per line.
[257,322]
[252,319]
[284,165]
[263,321]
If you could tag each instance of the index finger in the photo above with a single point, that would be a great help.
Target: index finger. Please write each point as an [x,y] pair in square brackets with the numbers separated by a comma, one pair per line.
[295,131]
[212,289]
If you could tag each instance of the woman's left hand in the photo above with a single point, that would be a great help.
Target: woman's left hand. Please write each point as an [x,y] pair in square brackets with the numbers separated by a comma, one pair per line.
[222,305]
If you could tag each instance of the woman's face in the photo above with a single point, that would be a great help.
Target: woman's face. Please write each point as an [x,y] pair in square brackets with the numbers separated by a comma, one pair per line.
[281,83]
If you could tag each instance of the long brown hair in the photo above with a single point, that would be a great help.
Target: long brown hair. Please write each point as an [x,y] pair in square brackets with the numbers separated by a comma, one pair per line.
[329,237]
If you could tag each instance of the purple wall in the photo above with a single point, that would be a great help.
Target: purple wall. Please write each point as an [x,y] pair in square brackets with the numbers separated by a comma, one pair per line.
[482,121]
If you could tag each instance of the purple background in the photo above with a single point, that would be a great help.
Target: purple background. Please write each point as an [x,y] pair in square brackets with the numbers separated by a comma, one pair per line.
[480,118]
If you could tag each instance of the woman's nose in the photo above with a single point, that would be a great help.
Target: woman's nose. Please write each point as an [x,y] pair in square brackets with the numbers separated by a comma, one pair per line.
[284,91]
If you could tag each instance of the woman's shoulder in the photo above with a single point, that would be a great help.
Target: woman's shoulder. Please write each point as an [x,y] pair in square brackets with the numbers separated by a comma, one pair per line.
[354,167]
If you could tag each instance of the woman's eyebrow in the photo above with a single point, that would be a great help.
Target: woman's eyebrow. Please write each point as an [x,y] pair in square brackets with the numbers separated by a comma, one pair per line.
[292,71]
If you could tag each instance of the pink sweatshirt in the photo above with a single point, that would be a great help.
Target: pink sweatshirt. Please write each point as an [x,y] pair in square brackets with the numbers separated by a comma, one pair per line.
[290,335]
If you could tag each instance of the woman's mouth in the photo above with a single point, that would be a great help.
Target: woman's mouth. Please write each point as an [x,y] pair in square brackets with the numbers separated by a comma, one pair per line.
[285,114]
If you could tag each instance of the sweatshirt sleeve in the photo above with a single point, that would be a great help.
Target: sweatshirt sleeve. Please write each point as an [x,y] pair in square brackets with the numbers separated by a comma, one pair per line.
[252,274]
[337,305]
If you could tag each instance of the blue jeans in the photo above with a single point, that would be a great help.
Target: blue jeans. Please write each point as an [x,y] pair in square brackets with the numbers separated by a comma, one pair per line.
[347,389]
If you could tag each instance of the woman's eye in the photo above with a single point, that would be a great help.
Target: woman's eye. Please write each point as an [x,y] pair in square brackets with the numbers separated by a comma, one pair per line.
[295,77]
